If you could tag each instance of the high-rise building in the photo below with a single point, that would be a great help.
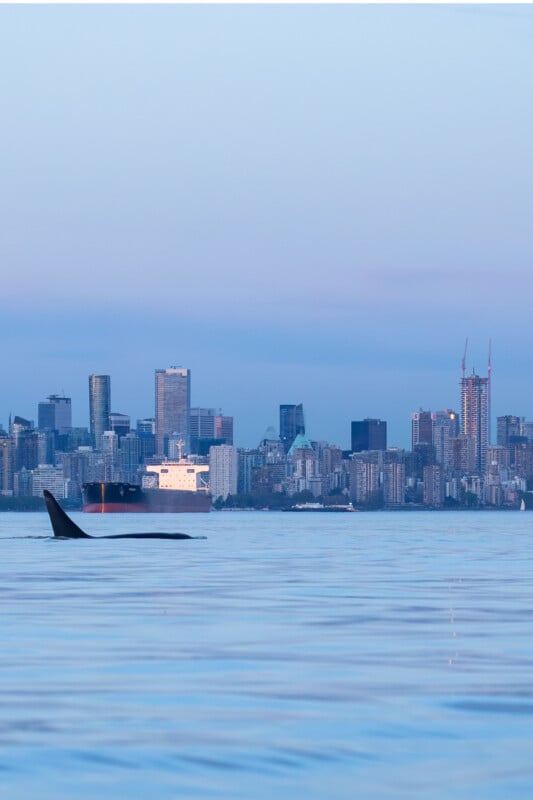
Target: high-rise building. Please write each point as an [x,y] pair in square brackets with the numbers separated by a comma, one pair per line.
[130,457]
[120,424]
[146,435]
[109,448]
[366,470]
[291,423]
[99,406]
[172,406]
[55,414]
[422,427]
[445,428]
[475,402]
[434,485]
[202,423]
[7,463]
[224,428]
[394,477]
[369,434]
[508,426]
[223,470]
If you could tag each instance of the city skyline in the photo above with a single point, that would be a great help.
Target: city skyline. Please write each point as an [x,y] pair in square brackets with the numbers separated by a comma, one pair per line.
[172,407]
[297,202]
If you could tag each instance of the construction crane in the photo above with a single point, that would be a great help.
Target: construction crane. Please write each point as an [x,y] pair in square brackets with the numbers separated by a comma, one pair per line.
[463,362]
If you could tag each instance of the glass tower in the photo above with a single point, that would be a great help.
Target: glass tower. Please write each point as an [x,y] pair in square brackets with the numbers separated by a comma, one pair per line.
[99,406]
[291,423]
[172,407]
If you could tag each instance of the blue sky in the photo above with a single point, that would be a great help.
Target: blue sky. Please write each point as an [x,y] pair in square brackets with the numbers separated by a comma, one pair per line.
[308,204]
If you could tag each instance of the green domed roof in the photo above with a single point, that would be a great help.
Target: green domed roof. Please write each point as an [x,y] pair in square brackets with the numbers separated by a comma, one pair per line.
[301,442]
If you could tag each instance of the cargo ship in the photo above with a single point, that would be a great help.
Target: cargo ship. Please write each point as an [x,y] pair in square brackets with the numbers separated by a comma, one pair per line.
[169,487]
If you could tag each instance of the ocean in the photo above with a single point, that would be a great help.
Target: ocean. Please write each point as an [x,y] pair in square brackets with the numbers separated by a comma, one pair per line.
[371,655]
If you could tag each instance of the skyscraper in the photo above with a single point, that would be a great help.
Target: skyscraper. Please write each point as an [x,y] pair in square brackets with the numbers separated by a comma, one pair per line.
[172,406]
[422,427]
[445,430]
[507,427]
[55,414]
[224,428]
[475,416]
[369,434]
[99,406]
[291,423]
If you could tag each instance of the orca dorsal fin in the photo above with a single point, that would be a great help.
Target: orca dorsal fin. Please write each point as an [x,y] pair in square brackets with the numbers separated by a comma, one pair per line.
[62,525]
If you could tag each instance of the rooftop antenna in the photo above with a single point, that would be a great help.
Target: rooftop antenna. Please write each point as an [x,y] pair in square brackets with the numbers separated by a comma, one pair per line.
[463,362]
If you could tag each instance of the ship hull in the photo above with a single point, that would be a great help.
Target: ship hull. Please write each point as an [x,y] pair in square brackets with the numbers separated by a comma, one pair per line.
[121,498]
[169,501]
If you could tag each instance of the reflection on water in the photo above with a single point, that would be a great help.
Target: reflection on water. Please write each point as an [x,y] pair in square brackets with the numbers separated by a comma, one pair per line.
[369,655]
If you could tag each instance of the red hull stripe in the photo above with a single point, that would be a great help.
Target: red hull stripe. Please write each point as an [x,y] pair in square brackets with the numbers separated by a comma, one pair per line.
[115,508]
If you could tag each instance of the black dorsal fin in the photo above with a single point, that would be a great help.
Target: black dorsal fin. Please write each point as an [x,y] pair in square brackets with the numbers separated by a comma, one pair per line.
[62,525]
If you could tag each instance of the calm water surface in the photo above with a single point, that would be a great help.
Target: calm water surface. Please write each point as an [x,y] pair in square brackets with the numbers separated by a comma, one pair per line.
[385,655]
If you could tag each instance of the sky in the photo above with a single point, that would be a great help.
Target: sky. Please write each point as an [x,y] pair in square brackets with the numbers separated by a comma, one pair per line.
[306,203]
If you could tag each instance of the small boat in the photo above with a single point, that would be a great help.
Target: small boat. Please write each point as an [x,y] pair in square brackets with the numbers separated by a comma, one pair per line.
[523,505]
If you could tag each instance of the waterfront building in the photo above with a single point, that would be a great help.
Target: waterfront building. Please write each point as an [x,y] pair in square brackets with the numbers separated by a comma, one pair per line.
[365,470]
[291,423]
[223,470]
[46,476]
[393,478]
[172,406]
[99,407]
[369,434]
[7,463]
[434,486]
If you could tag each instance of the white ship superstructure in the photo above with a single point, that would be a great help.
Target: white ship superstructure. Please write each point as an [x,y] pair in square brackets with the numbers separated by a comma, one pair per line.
[178,476]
